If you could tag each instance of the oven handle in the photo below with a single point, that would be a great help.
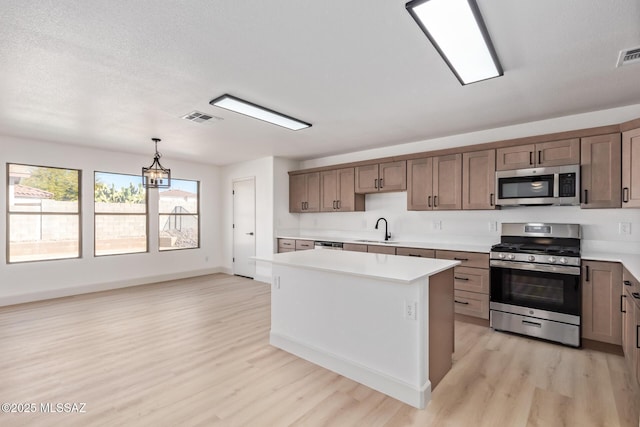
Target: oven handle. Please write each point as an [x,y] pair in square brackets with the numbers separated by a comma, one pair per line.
[561,269]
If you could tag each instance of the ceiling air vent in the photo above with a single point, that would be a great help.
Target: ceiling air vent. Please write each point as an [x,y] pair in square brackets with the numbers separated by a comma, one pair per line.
[629,56]
[198,117]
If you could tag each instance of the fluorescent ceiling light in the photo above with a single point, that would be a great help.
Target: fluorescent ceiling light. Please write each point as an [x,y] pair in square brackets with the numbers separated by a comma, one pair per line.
[456,29]
[257,112]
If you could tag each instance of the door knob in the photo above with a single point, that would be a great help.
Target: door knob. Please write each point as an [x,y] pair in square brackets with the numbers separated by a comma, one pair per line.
[249,234]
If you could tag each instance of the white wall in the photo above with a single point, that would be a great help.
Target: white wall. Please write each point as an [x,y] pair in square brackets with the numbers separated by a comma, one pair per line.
[600,226]
[284,221]
[47,279]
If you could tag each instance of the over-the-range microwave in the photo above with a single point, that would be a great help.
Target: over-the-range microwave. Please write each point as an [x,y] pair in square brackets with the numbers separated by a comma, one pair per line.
[558,185]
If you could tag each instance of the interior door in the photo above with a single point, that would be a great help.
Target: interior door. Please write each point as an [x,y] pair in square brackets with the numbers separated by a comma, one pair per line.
[244,227]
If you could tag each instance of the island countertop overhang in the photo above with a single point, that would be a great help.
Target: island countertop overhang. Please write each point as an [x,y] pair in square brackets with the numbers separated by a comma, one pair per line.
[376,266]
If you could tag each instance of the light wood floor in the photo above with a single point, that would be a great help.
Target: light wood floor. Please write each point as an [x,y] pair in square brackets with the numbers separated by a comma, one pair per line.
[196,352]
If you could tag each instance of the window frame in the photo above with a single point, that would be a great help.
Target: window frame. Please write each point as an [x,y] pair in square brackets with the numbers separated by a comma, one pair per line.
[160,214]
[96,214]
[9,214]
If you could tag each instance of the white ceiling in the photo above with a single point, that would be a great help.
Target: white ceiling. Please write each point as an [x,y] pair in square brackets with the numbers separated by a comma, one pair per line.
[112,73]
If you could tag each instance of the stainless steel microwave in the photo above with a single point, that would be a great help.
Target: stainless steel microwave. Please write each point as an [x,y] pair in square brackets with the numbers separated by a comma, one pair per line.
[558,185]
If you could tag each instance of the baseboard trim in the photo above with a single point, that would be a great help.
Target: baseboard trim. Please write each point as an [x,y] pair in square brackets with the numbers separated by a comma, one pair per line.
[407,393]
[106,286]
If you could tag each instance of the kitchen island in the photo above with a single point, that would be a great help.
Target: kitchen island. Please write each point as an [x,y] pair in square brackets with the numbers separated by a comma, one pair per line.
[381,320]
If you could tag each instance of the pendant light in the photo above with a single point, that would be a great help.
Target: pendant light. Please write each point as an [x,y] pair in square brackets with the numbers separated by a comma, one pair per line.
[156,176]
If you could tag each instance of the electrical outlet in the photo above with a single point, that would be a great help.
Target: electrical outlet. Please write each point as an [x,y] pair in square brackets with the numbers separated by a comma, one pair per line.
[410,308]
[624,228]
[276,282]
[206,259]
[437,225]
[493,226]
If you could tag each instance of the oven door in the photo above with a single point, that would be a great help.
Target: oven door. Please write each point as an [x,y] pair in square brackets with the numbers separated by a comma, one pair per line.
[547,288]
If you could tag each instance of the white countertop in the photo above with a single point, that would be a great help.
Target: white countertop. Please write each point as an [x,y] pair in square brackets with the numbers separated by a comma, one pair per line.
[378,266]
[401,244]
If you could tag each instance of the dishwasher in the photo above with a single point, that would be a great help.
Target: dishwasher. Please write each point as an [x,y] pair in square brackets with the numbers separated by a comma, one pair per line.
[336,246]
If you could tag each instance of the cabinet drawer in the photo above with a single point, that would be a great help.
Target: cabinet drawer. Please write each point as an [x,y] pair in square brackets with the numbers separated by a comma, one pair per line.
[471,279]
[468,259]
[282,250]
[286,244]
[302,245]
[354,247]
[422,253]
[389,250]
[471,304]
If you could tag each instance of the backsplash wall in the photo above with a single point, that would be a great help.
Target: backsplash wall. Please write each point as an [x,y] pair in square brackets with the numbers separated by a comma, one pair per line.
[600,227]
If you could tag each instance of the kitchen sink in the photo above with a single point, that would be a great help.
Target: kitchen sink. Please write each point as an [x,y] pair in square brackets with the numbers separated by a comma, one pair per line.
[375,241]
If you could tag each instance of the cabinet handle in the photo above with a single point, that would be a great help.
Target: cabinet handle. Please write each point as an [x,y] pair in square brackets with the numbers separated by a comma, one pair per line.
[586,194]
[539,157]
[461,278]
[375,183]
[627,282]
[586,277]
[381,181]
[622,304]
[460,302]
[416,255]
[334,204]
[429,201]
[491,202]
[637,338]
[530,157]
[435,201]
[625,194]
[537,325]
[338,204]
[460,259]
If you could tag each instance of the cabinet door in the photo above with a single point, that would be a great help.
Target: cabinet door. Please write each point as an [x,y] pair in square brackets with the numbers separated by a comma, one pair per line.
[389,250]
[354,247]
[328,191]
[447,182]
[367,179]
[601,290]
[297,192]
[628,329]
[420,184]
[416,252]
[471,279]
[313,192]
[636,342]
[558,153]
[393,176]
[479,180]
[630,169]
[348,200]
[518,157]
[601,171]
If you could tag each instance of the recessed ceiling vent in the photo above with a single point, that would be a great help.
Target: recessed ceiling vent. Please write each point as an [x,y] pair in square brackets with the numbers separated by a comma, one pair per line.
[198,117]
[629,56]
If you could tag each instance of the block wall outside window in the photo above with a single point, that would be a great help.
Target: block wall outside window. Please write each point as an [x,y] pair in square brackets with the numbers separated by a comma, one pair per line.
[43,213]
[179,219]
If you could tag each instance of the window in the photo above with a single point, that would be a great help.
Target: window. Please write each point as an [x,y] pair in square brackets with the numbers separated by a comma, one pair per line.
[120,214]
[43,213]
[179,220]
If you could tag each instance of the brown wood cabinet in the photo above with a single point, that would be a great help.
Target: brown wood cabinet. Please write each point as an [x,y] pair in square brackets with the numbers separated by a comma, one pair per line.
[601,171]
[470,282]
[601,291]
[337,191]
[435,183]
[304,192]
[631,323]
[479,180]
[631,169]
[416,252]
[378,249]
[290,245]
[354,247]
[553,153]
[304,245]
[389,176]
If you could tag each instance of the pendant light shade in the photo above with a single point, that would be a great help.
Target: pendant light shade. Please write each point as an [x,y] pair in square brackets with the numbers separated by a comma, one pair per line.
[156,176]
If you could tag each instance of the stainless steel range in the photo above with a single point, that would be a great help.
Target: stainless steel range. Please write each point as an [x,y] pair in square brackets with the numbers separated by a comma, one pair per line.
[535,281]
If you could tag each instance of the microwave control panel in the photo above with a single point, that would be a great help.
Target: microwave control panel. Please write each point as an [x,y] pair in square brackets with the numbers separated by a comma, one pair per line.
[567,184]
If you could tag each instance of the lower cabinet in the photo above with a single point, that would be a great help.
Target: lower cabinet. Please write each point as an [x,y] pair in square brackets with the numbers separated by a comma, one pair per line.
[631,323]
[416,252]
[354,247]
[290,245]
[601,293]
[470,282]
[389,250]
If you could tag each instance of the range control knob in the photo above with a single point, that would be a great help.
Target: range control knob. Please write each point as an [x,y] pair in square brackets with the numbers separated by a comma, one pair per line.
[531,258]
[511,256]
[501,255]
[552,259]
[563,260]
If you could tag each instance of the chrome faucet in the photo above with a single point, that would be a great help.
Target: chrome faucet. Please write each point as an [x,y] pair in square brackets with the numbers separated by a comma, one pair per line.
[387,235]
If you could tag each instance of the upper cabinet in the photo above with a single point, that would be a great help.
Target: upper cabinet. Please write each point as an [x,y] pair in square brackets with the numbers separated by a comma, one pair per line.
[631,174]
[337,191]
[435,183]
[389,176]
[554,153]
[479,180]
[304,192]
[601,171]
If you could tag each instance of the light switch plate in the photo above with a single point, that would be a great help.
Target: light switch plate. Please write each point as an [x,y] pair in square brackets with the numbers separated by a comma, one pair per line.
[624,228]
